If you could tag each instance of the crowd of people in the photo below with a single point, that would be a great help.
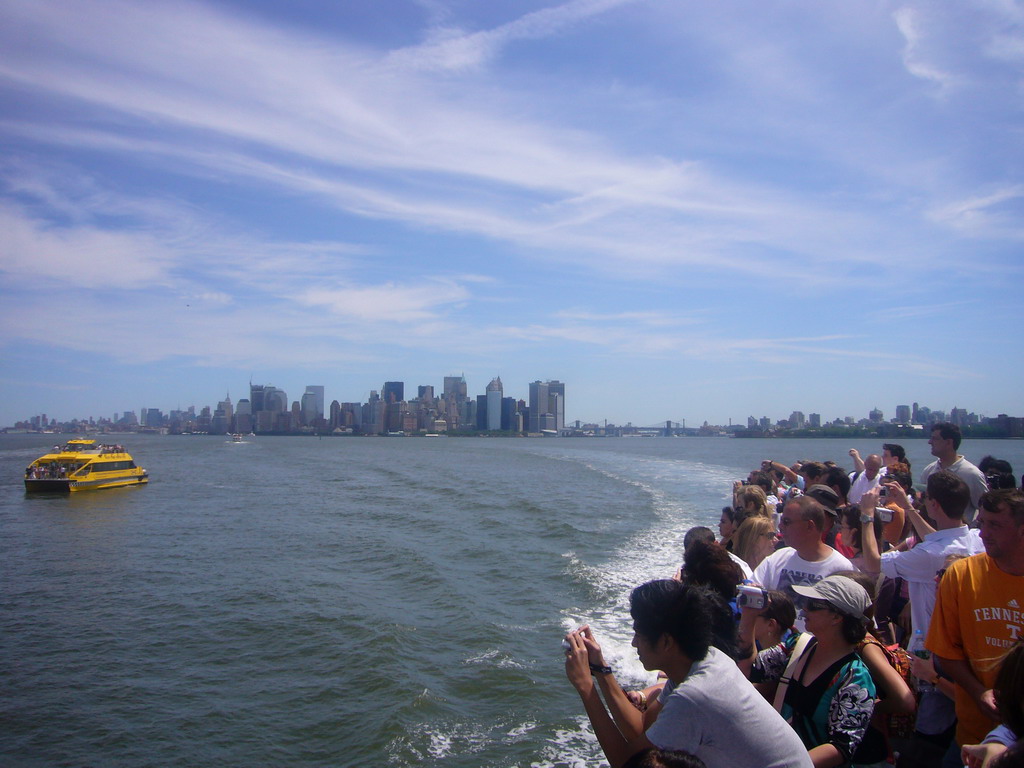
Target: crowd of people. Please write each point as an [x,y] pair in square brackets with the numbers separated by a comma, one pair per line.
[51,471]
[839,618]
[59,470]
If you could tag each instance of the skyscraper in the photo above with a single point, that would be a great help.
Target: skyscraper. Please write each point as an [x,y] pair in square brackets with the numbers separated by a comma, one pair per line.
[494,394]
[454,405]
[393,392]
[274,399]
[256,398]
[312,403]
[547,405]
[317,391]
[243,416]
[455,388]
[481,412]
[556,401]
[538,404]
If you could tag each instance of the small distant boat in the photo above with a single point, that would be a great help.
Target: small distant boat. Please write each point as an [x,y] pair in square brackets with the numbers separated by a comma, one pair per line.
[82,465]
[237,437]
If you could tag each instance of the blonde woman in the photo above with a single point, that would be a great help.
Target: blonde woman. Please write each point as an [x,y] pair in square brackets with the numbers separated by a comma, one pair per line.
[752,500]
[754,540]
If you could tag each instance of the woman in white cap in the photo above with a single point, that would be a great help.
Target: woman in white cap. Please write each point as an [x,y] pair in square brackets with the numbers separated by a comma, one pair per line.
[824,689]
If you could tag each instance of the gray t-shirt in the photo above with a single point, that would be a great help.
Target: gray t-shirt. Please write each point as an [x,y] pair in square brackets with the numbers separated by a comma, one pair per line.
[717,715]
[967,472]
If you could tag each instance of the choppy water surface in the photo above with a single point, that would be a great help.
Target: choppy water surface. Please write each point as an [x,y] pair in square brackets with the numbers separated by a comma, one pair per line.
[345,601]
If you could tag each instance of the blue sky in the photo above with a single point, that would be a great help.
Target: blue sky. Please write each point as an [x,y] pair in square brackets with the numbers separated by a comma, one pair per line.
[683,210]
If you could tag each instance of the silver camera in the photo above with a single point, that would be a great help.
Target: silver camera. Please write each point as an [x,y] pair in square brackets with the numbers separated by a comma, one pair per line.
[751,597]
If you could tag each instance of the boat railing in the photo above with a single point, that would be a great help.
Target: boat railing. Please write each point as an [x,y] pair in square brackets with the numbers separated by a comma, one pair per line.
[48,472]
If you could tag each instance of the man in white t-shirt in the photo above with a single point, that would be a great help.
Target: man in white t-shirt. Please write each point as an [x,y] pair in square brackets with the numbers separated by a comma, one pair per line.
[865,480]
[806,559]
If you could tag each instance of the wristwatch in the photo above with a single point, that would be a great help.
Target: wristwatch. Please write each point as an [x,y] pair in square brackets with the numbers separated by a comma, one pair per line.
[866,518]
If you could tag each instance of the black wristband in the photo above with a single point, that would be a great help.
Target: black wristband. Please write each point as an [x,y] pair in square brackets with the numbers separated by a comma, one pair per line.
[600,670]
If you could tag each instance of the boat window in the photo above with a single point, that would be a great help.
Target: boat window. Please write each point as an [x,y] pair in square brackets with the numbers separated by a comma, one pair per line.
[111,466]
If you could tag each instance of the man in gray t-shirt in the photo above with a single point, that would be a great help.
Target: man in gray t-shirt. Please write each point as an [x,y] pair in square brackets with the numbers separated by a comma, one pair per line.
[708,708]
[945,442]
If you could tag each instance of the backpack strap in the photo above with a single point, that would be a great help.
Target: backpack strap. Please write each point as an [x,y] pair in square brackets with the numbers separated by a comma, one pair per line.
[790,673]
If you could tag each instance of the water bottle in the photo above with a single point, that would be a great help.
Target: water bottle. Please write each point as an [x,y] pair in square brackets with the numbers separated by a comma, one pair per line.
[917,648]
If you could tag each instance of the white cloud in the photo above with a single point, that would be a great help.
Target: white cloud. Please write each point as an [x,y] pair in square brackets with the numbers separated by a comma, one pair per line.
[910,23]
[984,216]
[451,48]
[1005,47]
[85,257]
[388,302]
[466,161]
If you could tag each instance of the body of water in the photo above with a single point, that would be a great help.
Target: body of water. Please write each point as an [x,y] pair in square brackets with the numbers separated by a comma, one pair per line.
[344,601]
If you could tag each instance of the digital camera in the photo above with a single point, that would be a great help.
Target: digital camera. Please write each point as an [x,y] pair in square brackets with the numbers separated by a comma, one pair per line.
[751,597]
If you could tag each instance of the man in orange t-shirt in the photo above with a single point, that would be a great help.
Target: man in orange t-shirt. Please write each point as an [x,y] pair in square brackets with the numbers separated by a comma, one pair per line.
[979,613]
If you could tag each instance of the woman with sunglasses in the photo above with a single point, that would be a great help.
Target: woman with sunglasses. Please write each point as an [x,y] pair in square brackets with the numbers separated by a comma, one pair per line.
[754,540]
[824,690]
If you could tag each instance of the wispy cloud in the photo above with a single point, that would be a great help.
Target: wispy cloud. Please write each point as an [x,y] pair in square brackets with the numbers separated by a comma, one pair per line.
[449,48]
[85,256]
[388,302]
[909,21]
[987,215]
[227,104]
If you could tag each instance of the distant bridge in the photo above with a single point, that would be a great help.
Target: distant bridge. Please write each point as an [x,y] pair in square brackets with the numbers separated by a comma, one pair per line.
[665,428]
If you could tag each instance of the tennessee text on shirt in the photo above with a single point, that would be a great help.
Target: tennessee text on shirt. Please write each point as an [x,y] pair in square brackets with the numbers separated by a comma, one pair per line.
[1011,616]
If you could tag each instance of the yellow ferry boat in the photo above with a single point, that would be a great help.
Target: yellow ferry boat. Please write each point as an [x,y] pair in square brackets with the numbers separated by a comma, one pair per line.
[82,465]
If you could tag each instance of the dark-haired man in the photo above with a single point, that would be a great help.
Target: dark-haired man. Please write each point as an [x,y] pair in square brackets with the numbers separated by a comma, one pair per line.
[707,708]
[945,502]
[892,453]
[945,442]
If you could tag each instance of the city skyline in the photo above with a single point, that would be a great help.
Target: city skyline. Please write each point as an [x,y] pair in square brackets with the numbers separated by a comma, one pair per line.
[690,211]
[457,387]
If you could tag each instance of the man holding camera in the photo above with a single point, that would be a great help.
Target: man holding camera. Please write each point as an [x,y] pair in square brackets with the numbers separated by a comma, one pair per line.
[945,502]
